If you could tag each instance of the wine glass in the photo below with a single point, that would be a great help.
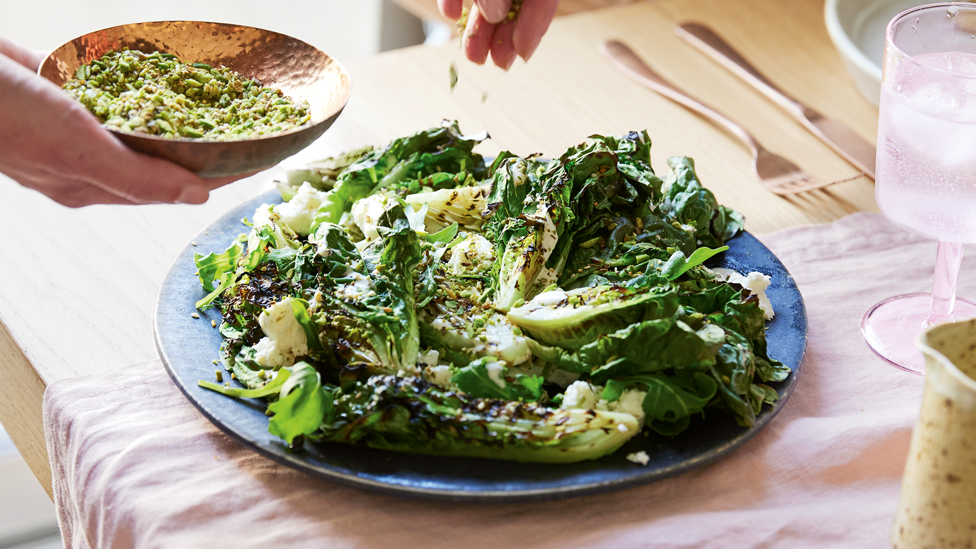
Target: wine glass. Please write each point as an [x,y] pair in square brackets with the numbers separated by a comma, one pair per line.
[926,173]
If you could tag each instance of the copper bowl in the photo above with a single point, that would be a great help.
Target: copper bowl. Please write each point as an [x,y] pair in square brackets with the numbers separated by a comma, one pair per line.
[300,70]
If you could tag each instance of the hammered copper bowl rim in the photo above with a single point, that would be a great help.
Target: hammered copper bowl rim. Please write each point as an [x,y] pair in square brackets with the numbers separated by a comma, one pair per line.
[253,52]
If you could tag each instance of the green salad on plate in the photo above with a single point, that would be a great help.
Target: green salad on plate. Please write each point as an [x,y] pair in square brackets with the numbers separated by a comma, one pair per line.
[414,298]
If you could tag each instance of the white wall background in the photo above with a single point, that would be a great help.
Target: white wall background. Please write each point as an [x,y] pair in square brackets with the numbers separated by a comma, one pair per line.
[346,29]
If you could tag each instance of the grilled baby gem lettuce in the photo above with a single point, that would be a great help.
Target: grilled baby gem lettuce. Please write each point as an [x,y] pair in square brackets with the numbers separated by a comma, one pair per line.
[561,306]
[365,309]
[572,319]
[410,415]
[433,157]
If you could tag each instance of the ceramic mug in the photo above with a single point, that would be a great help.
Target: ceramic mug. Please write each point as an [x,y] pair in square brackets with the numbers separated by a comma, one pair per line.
[937,507]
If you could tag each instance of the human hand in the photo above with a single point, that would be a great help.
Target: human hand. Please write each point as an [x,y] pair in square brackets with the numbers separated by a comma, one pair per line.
[50,143]
[489,30]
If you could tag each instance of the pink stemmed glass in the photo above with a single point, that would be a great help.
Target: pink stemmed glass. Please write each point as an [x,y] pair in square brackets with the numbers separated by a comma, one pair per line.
[926,178]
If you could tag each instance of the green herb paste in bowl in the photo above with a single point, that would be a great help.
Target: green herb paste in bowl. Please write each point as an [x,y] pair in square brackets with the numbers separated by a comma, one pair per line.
[157,94]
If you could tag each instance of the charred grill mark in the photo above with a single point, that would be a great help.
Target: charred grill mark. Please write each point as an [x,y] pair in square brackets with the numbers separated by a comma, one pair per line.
[262,289]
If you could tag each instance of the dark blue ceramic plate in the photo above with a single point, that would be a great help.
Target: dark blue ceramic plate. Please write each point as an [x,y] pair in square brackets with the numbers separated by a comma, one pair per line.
[188,346]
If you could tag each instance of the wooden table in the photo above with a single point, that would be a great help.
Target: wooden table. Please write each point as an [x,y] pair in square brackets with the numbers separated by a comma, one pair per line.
[77,287]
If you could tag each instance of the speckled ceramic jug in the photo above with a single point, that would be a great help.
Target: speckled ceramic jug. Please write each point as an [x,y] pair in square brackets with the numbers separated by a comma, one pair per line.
[937,507]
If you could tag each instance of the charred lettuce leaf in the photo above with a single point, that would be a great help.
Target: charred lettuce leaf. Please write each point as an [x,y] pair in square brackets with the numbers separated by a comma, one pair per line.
[365,311]
[575,318]
[409,415]
[442,150]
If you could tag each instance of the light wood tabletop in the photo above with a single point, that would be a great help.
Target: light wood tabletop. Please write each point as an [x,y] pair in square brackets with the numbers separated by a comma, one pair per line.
[78,287]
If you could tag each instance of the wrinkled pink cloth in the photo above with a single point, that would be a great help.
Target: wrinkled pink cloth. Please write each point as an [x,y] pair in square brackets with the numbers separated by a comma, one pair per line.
[135,465]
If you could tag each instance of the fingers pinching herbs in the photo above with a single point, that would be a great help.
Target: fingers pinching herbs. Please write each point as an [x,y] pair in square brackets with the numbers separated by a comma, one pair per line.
[477,37]
[532,23]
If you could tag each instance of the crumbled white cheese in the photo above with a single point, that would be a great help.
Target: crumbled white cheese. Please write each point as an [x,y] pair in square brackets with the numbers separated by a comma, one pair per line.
[285,339]
[495,370]
[439,375]
[263,216]
[472,256]
[756,283]
[356,290]
[581,395]
[298,212]
[640,458]
[428,357]
[267,216]
[316,302]
[366,214]
[630,402]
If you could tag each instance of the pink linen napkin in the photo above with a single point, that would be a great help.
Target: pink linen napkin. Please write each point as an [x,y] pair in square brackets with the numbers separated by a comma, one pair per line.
[135,465]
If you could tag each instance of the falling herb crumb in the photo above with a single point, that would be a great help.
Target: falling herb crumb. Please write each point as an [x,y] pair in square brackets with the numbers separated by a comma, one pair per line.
[454,77]
[484,97]
[462,21]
